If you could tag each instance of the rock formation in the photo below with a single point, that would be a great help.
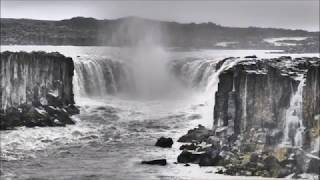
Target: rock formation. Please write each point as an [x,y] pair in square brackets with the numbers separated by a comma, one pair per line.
[256,94]
[266,120]
[36,89]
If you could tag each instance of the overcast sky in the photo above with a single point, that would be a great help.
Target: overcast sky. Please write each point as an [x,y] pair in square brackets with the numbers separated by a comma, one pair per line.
[293,14]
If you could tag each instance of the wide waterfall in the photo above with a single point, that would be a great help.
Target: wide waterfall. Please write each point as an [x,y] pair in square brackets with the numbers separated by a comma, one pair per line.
[293,127]
[99,77]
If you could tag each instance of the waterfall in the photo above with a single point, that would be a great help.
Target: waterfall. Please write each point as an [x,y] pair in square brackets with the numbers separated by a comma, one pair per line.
[244,104]
[197,72]
[99,77]
[293,127]
[212,88]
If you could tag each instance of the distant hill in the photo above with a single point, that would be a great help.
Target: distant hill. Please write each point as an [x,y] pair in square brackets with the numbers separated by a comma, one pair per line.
[128,31]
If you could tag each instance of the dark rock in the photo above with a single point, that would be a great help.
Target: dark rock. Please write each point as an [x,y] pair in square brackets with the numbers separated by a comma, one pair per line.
[189,157]
[187,164]
[161,162]
[210,158]
[254,157]
[164,142]
[220,171]
[314,166]
[72,109]
[253,56]
[188,147]
[272,165]
[196,135]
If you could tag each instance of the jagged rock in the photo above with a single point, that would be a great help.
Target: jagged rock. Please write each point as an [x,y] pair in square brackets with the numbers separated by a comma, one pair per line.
[164,142]
[210,158]
[196,135]
[189,157]
[72,109]
[161,162]
[191,146]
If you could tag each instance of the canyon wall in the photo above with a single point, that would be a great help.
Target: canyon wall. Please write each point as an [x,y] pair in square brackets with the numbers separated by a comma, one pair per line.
[311,105]
[34,87]
[255,95]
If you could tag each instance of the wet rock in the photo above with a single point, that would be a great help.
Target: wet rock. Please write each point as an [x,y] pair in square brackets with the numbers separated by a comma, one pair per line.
[314,166]
[161,162]
[188,147]
[210,158]
[72,109]
[187,165]
[253,56]
[196,135]
[272,165]
[164,142]
[189,157]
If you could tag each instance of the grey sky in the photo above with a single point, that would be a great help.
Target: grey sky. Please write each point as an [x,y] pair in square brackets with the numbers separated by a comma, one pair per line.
[293,14]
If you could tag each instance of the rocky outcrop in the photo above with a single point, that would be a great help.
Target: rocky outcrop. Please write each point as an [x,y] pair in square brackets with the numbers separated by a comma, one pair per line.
[311,103]
[36,89]
[255,94]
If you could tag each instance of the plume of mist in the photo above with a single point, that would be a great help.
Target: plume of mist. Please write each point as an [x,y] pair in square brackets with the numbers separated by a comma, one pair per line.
[143,40]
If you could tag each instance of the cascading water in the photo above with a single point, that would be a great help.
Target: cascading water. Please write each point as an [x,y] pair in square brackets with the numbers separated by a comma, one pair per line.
[98,77]
[293,127]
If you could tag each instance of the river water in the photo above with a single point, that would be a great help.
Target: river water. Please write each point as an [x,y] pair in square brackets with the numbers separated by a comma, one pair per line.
[118,128]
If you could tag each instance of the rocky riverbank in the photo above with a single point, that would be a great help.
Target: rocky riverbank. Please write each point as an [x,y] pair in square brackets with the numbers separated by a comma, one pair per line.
[36,90]
[266,120]
[206,148]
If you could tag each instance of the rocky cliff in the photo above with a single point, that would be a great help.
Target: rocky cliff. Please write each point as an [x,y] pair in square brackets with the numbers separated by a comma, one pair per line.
[256,95]
[35,89]
[266,120]
[311,104]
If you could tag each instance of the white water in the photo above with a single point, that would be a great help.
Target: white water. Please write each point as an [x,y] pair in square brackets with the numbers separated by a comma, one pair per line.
[293,127]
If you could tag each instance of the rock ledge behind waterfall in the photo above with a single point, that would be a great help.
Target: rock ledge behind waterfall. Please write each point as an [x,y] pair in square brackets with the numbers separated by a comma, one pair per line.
[36,89]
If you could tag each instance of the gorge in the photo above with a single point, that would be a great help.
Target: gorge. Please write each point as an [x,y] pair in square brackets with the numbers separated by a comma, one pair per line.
[270,102]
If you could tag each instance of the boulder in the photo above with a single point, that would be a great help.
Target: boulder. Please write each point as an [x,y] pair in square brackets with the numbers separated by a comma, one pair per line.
[161,162]
[210,158]
[196,135]
[189,157]
[164,142]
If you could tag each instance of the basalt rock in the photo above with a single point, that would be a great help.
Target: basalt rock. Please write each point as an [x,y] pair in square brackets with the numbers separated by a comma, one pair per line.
[36,89]
[161,162]
[164,142]
[197,134]
[255,94]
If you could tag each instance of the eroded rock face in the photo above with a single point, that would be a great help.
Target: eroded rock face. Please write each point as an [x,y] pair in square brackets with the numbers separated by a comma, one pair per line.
[255,94]
[311,103]
[36,89]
